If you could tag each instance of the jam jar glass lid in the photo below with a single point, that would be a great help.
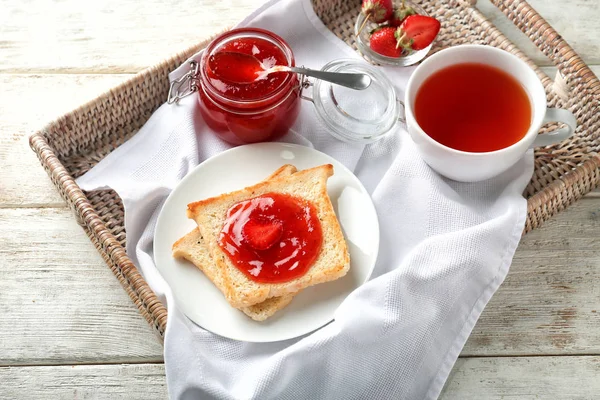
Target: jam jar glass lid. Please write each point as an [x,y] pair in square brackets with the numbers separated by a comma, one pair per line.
[361,116]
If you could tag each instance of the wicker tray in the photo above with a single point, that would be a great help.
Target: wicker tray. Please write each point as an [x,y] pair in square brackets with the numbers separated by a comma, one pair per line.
[75,142]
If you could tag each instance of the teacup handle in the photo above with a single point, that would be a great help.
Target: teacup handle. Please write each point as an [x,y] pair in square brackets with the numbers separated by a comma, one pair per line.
[556,115]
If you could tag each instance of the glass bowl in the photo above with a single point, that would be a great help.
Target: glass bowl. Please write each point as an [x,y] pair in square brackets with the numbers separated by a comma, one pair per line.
[362,42]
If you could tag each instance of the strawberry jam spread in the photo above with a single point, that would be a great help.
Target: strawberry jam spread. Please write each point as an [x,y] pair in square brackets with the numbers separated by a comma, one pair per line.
[233,70]
[272,238]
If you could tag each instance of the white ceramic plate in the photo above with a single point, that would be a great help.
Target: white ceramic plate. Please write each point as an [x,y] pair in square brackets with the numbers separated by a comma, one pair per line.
[235,169]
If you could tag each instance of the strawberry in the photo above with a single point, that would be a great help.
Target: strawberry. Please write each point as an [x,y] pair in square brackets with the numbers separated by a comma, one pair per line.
[261,234]
[385,42]
[400,14]
[376,10]
[417,32]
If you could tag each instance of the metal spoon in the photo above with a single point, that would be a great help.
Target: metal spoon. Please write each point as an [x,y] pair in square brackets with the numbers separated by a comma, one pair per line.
[249,69]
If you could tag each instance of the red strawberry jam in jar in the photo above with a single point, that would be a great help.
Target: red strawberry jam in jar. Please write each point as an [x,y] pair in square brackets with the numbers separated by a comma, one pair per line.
[272,238]
[235,106]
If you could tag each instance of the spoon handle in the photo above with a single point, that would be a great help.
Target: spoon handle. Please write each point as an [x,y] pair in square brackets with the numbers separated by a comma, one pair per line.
[352,81]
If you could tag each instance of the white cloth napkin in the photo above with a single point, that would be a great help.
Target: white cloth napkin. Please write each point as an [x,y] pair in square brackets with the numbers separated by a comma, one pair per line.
[445,249]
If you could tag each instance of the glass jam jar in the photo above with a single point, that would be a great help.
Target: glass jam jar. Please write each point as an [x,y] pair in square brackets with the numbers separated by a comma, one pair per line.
[249,112]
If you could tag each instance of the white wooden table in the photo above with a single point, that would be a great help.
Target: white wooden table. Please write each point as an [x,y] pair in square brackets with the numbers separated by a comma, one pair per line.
[67,328]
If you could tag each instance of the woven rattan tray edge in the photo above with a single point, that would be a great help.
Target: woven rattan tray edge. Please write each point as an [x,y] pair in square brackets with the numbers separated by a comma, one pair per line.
[559,194]
[554,198]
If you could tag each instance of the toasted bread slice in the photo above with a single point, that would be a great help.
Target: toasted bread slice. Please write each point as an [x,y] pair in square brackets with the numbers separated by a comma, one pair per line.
[333,260]
[192,248]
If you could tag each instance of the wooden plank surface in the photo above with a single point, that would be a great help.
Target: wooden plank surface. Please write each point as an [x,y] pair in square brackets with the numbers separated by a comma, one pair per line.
[519,378]
[59,302]
[98,382]
[110,36]
[115,36]
[550,300]
[524,378]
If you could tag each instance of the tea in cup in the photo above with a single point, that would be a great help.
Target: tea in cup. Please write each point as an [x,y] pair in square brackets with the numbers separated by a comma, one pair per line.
[473,111]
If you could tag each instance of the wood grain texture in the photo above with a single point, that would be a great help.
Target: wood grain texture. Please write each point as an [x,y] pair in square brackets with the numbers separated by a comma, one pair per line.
[109,36]
[59,302]
[28,102]
[504,378]
[113,36]
[524,378]
[98,382]
[550,300]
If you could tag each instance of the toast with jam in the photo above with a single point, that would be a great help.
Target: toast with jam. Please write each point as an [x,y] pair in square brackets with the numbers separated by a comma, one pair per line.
[274,238]
[192,248]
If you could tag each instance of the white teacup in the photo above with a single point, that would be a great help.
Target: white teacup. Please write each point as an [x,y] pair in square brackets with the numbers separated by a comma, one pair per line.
[467,166]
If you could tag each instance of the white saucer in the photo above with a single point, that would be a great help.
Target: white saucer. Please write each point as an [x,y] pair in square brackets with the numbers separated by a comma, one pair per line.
[235,169]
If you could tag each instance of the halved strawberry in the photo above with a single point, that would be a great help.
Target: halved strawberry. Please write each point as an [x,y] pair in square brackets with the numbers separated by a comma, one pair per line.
[417,32]
[261,234]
